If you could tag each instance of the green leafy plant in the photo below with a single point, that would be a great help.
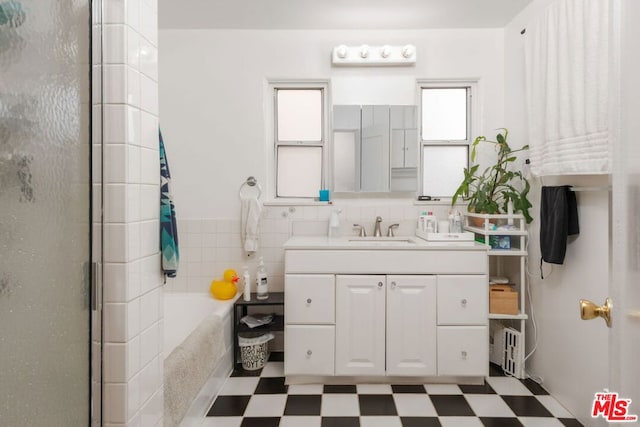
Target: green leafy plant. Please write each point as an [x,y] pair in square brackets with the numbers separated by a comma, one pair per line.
[490,191]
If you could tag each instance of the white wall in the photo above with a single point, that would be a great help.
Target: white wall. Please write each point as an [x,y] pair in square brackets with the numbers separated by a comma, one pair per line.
[213,94]
[571,355]
[213,107]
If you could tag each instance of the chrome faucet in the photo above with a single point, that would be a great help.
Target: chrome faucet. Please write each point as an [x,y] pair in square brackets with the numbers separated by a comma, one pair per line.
[363,233]
[390,230]
[376,230]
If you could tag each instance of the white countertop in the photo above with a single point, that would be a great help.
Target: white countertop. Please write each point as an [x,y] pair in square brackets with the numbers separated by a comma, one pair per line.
[381,243]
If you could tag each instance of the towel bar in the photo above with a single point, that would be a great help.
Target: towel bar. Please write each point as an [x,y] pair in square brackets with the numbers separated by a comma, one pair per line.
[590,188]
[250,182]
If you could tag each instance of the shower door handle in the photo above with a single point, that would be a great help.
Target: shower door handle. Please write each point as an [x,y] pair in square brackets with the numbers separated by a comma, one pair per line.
[96,294]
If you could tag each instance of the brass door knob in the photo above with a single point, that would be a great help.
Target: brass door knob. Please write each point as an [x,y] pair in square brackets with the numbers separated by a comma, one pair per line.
[589,310]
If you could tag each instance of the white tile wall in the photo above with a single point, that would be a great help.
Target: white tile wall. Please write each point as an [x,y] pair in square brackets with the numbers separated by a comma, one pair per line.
[132,277]
[210,246]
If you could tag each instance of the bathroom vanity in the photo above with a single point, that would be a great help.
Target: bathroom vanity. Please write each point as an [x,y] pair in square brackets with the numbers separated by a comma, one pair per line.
[385,309]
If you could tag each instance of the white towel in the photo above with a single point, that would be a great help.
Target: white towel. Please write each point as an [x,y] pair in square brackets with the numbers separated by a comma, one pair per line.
[567,88]
[250,223]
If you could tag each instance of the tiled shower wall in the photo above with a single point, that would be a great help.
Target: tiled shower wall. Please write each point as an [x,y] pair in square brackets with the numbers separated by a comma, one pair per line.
[133,330]
[209,246]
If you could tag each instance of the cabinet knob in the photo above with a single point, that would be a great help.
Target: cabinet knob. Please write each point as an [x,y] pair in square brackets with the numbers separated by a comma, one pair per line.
[463,354]
[393,285]
[309,352]
[463,302]
[380,284]
[308,300]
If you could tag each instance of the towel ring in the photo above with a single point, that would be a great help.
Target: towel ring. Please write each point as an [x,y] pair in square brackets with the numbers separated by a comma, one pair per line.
[250,182]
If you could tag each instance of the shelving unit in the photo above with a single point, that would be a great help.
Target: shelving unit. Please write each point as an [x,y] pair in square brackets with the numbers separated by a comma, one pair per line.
[512,264]
[240,309]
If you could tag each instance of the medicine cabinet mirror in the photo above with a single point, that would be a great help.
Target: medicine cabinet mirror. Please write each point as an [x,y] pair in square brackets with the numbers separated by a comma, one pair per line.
[375,148]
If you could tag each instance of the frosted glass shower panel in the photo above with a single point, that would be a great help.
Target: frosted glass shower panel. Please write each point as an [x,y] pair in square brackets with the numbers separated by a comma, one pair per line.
[443,169]
[45,213]
[299,115]
[444,114]
[299,171]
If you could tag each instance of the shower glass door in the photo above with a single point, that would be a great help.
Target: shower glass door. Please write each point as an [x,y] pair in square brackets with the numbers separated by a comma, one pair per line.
[45,215]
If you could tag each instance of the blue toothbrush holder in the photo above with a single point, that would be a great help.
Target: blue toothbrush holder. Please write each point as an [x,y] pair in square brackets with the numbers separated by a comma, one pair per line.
[324,195]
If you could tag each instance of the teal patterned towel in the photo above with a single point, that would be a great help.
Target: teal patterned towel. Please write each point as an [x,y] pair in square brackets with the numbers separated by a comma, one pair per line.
[168,227]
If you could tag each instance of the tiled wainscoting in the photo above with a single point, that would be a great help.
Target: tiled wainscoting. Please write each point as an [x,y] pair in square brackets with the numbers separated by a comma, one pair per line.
[209,246]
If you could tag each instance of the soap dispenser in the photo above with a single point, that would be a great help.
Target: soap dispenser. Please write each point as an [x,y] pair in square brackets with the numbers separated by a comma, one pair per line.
[334,223]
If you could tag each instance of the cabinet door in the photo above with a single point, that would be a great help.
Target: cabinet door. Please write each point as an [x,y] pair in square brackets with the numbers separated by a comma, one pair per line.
[463,300]
[374,162]
[411,155]
[309,298]
[411,325]
[308,350]
[397,148]
[360,325]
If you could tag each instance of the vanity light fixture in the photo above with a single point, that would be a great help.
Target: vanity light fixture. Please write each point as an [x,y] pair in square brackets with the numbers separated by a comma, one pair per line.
[365,55]
[364,51]
[341,51]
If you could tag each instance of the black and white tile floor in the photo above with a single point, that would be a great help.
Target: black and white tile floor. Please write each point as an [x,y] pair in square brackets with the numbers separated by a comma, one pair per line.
[261,399]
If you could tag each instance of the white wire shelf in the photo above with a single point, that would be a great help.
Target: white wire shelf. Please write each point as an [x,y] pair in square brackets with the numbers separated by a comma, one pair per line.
[520,316]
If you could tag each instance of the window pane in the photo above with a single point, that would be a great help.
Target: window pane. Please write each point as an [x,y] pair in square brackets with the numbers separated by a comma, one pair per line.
[299,115]
[444,114]
[299,171]
[443,169]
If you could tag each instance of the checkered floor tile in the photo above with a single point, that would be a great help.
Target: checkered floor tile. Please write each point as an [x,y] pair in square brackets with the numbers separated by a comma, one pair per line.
[262,399]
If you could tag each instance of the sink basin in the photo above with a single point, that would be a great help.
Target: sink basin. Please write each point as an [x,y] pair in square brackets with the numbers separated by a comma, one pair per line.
[383,240]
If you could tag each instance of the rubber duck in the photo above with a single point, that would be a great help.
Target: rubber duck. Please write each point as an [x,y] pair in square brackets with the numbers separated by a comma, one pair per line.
[225,288]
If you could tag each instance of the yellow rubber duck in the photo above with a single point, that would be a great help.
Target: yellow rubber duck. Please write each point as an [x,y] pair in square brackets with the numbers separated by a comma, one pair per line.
[225,288]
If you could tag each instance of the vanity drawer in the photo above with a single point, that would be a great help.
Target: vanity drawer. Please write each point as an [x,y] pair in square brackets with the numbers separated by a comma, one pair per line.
[309,350]
[309,298]
[463,300]
[463,350]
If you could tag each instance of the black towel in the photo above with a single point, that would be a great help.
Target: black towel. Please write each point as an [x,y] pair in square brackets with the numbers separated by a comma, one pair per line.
[558,220]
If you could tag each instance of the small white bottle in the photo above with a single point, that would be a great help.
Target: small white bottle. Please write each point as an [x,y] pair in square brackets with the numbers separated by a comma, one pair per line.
[457,222]
[262,289]
[452,224]
[247,284]
[422,221]
[334,223]
[431,222]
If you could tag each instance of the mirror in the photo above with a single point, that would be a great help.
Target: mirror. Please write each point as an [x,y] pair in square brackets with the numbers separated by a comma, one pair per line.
[375,148]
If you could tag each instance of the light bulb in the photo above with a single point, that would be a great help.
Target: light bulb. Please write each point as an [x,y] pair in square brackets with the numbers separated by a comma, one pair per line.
[408,50]
[364,51]
[386,51]
[341,51]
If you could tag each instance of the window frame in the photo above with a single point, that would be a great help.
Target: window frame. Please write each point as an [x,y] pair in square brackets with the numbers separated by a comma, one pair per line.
[472,122]
[274,143]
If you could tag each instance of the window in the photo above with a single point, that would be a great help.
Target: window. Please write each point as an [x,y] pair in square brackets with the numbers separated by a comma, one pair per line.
[445,135]
[299,138]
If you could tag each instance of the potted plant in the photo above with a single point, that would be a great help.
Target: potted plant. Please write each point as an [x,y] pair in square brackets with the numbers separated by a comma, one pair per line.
[491,191]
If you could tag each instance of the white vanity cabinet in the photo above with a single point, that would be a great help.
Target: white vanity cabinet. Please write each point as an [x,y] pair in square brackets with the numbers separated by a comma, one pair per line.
[385,325]
[411,325]
[310,324]
[463,332]
[360,325]
[379,312]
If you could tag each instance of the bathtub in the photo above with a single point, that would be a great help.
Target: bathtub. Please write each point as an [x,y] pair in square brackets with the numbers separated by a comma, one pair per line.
[188,317]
